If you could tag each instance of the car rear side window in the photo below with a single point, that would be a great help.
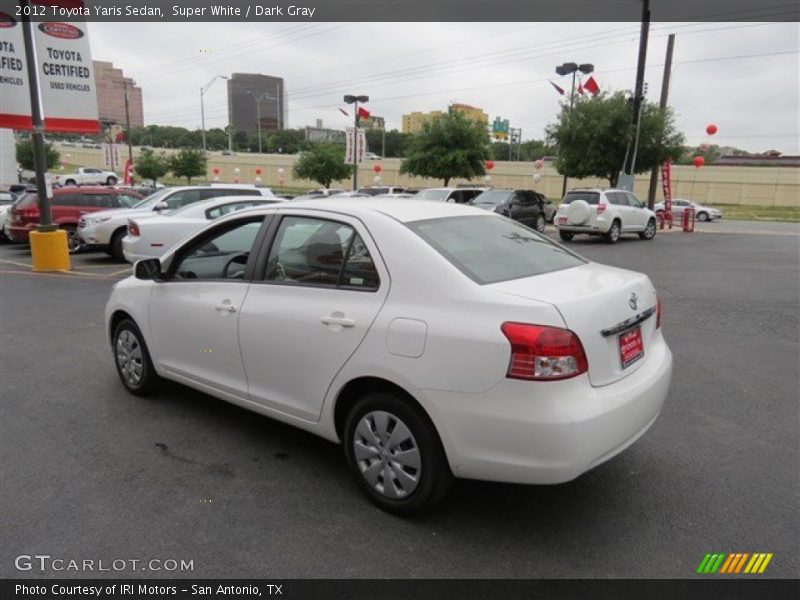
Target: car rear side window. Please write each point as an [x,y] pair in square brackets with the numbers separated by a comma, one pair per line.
[488,249]
[320,253]
[69,200]
[588,197]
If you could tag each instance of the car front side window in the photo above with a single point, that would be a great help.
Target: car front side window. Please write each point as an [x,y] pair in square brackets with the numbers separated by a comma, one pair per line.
[224,255]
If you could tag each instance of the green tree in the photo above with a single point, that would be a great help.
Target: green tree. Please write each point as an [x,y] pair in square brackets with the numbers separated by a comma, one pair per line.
[188,163]
[150,165]
[323,163]
[593,137]
[449,146]
[24,153]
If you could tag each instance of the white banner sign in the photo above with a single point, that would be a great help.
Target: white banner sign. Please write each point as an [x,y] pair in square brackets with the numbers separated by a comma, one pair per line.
[111,154]
[66,76]
[350,145]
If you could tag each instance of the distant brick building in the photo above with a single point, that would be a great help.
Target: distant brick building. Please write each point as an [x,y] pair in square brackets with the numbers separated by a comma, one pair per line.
[415,122]
[244,90]
[110,84]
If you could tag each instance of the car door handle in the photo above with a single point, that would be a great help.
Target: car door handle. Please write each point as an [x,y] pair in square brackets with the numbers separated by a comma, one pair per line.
[342,321]
[226,307]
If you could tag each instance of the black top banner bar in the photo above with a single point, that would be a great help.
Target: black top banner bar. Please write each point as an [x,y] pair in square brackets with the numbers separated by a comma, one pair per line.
[398,10]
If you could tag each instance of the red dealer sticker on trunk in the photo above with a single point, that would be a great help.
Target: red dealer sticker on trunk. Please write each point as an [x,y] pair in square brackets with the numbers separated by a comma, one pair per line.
[64,31]
[631,347]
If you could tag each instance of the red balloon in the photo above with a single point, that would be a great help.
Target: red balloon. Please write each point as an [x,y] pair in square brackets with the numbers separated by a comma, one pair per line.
[377,168]
[711,129]
[490,164]
[258,170]
[698,161]
[216,170]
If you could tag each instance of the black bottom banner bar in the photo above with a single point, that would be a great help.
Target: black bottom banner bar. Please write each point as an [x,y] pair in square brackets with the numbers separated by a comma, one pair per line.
[390,589]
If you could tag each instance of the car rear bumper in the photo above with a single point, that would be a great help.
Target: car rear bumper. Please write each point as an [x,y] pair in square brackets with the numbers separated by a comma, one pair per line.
[549,432]
[19,233]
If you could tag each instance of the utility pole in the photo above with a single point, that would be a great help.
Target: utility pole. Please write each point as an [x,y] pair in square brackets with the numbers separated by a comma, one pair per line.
[566,69]
[651,194]
[128,124]
[203,90]
[638,93]
[37,132]
[258,100]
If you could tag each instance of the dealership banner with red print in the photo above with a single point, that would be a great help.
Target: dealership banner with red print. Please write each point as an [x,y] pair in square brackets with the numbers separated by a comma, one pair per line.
[66,76]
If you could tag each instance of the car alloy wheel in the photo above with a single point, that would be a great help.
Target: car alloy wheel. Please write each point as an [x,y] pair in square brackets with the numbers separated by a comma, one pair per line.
[613,234]
[702,216]
[649,232]
[387,454]
[540,223]
[73,241]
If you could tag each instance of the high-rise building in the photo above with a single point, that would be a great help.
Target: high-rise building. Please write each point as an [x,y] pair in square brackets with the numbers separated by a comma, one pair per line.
[251,95]
[415,122]
[110,84]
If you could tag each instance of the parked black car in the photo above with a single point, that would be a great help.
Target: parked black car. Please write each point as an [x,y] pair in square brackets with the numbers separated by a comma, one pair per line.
[525,206]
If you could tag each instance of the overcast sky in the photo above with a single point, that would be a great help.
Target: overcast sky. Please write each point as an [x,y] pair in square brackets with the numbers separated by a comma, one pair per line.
[741,76]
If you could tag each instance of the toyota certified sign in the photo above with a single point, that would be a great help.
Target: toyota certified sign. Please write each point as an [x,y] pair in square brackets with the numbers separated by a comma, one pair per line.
[66,76]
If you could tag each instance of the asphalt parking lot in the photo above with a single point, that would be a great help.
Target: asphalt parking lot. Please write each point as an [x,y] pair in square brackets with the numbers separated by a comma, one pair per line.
[89,471]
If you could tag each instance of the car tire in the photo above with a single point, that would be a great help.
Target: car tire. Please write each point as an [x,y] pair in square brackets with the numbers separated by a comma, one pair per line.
[132,359]
[702,216]
[69,182]
[74,244]
[370,442]
[566,236]
[612,235]
[111,181]
[116,245]
[649,232]
[540,223]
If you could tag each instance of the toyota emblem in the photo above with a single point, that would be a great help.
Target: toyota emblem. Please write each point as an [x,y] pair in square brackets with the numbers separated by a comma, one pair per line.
[633,301]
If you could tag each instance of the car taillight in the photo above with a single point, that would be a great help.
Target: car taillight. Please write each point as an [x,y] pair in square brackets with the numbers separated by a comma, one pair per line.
[601,208]
[133,229]
[659,310]
[544,353]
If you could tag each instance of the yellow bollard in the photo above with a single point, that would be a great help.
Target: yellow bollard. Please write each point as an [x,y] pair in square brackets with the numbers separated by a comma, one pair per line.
[49,250]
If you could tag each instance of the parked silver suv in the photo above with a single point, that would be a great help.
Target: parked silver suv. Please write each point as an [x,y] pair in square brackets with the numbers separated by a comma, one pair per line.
[609,213]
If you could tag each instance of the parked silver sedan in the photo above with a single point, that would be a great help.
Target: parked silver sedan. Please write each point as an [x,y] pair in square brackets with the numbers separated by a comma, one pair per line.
[701,213]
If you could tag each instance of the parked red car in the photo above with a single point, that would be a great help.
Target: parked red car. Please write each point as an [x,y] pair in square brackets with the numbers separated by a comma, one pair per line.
[67,206]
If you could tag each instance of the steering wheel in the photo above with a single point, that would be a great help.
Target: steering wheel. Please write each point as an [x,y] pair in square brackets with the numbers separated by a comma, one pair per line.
[240,259]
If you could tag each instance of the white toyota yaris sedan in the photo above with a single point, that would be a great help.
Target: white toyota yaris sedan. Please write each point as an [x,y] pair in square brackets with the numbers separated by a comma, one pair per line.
[432,340]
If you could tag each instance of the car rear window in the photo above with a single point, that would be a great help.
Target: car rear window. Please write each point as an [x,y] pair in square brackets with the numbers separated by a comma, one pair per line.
[588,197]
[488,249]
[27,200]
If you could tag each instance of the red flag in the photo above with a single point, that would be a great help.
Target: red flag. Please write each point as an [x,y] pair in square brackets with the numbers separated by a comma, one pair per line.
[344,112]
[591,86]
[363,112]
[558,89]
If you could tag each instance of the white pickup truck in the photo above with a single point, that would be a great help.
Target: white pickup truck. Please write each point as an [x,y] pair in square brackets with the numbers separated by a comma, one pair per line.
[87,176]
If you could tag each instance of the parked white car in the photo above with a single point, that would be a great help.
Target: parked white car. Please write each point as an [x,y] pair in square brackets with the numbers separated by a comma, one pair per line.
[6,202]
[87,176]
[153,236]
[609,213]
[431,340]
[105,229]
[701,213]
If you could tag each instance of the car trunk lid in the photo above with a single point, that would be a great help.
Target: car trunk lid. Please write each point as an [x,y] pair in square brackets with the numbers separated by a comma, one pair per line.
[598,303]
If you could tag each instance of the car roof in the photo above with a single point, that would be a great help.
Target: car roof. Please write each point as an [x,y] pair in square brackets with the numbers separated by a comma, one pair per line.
[404,210]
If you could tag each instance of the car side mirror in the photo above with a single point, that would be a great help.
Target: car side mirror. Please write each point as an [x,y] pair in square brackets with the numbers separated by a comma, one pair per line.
[161,206]
[147,269]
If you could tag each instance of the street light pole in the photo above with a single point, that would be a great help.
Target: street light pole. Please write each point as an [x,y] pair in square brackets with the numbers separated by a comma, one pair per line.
[354,100]
[203,90]
[37,132]
[128,124]
[566,69]
[258,100]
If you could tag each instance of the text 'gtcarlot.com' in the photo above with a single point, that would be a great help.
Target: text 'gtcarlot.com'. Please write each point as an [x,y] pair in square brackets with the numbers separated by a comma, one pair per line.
[45,562]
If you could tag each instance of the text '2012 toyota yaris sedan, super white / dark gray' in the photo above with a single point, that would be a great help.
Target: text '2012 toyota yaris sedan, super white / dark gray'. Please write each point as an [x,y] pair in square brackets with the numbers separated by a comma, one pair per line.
[431,340]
